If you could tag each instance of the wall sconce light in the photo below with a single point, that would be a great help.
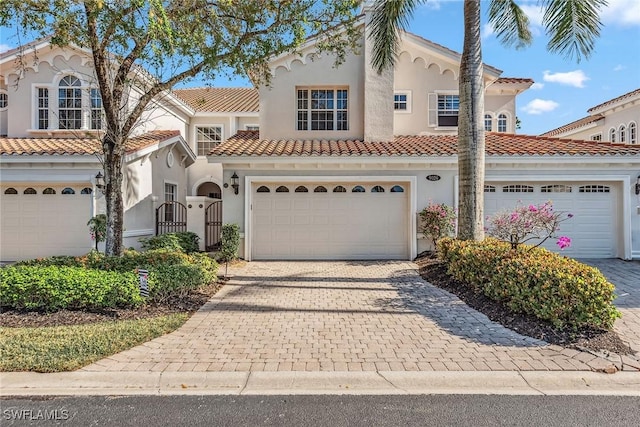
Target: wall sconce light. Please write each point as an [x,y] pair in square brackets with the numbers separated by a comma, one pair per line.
[235,182]
[638,185]
[100,182]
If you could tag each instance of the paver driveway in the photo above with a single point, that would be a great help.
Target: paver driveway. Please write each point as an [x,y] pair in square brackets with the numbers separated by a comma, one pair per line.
[340,316]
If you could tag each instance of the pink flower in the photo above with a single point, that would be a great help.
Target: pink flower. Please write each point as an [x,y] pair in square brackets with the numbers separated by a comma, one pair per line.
[563,242]
[515,216]
[533,208]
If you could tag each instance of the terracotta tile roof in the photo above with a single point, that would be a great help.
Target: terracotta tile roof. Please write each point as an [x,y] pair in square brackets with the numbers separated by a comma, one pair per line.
[224,99]
[506,80]
[247,143]
[574,125]
[75,146]
[616,99]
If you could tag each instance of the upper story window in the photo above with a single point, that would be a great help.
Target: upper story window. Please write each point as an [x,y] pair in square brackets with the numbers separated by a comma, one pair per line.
[633,133]
[502,123]
[43,108]
[488,122]
[448,108]
[622,132]
[4,100]
[322,109]
[612,135]
[96,109]
[596,137]
[252,127]
[70,103]
[208,137]
[402,101]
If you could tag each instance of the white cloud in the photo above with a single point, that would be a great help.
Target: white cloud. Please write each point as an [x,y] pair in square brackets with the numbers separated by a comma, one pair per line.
[487,31]
[433,4]
[571,78]
[625,13]
[534,12]
[4,47]
[619,67]
[537,86]
[539,106]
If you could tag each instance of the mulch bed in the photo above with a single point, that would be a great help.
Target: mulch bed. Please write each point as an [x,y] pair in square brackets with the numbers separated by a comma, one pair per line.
[434,271]
[188,304]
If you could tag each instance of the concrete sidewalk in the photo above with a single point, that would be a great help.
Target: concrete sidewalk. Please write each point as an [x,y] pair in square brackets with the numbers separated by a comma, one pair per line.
[291,383]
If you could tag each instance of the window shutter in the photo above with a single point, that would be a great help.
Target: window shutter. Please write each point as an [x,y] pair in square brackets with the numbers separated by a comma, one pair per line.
[433,109]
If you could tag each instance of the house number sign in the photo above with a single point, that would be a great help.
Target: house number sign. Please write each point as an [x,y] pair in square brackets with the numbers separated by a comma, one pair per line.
[433,177]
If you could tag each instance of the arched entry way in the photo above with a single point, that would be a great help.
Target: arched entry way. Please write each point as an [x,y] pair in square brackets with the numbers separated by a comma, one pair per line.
[209,189]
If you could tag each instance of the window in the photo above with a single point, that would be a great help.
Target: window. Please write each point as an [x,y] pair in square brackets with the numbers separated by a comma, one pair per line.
[96,109]
[86,190]
[29,191]
[612,135]
[339,189]
[4,100]
[402,101]
[448,107]
[68,190]
[49,190]
[557,188]
[170,195]
[489,189]
[322,109]
[633,133]
[252,127]
[502,123]
[594,189]
[43,108]
[622,133]
[377,189]
[358,189]
[263,189]
[70,103]
[517,188]
[10,190]
[320,189]
[596,137]
[488,122]
[301,189]
[282,189]
[208,138]
[397,189]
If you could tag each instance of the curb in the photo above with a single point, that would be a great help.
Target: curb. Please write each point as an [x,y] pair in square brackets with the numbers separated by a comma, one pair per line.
[80,383]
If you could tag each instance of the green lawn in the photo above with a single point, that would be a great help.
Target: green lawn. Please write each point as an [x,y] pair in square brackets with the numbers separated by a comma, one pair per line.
[66,348]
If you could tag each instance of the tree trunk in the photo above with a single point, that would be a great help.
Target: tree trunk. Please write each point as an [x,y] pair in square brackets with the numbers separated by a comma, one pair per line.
[471,129]
[113,160]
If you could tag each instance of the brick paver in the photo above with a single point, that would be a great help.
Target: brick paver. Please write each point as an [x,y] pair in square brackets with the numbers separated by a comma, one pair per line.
[341,316]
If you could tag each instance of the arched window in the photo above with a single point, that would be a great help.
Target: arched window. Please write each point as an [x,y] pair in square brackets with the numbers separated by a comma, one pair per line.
[377,189]
[622,132]
[502,123]
[320,189]
[29,191]
[612,135]
[70,103]
[86,190]
[282,189]
[10,190]
[397,189]
[4,100]
[49,190]
[358,189]
[68,190]
[488,122]
[339,189]
[633,133]
[301,189]
[263,189]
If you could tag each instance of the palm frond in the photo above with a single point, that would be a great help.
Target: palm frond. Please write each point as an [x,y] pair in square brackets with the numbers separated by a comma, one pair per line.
[573,26]
[510,23]
[388,18]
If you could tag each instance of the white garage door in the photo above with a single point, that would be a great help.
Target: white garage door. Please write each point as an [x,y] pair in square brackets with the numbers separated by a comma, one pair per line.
[38,221]
[330,221]
[593,227]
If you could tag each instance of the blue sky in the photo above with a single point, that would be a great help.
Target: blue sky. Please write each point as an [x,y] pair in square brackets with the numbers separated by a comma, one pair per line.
[564,88]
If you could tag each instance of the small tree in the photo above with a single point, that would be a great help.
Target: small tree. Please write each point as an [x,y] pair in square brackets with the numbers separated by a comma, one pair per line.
[438,220]
[229,243]
[98,228]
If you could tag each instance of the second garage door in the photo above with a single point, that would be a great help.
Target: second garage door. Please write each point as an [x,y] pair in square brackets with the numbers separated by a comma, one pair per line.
[339,220]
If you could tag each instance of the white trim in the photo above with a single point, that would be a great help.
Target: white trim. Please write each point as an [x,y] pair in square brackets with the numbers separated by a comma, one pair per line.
[198,183]
[508,124]
[195,136]
[612,132]
[137,233]
[635,127]
[249,180]
[624,180]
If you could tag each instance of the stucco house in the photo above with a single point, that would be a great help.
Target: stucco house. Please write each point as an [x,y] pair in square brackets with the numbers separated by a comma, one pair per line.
[323,163]
[615,120]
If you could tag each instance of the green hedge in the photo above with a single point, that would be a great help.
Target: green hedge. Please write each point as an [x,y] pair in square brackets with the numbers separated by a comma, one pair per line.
[52,288]
[536,281]
[184,241]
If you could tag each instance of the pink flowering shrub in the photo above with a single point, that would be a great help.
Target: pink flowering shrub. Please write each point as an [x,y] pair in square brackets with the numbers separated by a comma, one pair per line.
[438,220]
[527,223]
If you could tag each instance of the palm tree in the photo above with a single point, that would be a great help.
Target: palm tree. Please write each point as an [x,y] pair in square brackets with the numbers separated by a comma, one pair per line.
[572,26]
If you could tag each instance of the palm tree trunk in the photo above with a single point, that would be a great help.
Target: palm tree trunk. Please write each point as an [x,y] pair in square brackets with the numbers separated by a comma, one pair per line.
[113,160]
[471,129]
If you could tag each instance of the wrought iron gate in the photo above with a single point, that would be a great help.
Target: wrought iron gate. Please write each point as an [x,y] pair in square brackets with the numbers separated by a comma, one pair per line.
[212,226]
[171,217]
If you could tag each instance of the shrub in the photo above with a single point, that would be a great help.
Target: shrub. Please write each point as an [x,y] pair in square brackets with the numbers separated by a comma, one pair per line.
[53,288]
[536,281]
[438,221]
[98,228]
[185,241]
[57,260]
[129,261]
[229,243]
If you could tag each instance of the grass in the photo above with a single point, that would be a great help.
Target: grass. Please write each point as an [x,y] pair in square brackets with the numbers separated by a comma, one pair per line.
[66,348]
